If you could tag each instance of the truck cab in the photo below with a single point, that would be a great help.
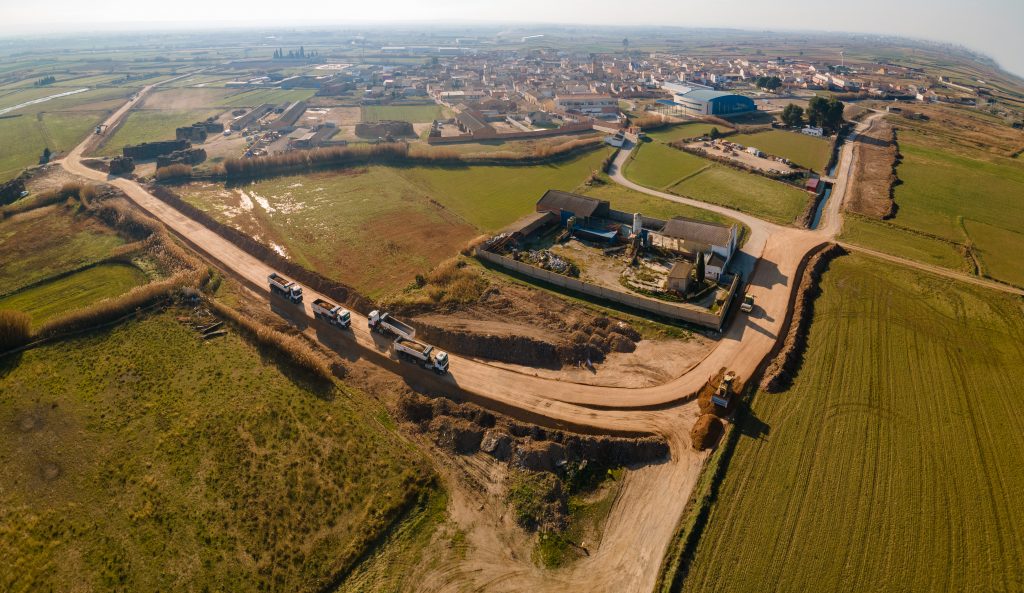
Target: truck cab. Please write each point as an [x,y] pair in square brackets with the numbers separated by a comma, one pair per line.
[441,363]
[748,304]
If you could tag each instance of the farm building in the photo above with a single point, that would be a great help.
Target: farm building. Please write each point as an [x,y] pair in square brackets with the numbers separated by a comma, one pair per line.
[690,237]
[596,221]
[678,279]
[566,205]
[691,101]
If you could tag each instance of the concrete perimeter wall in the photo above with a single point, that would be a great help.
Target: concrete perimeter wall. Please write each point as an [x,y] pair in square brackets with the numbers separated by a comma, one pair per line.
[567,129]
[662,308]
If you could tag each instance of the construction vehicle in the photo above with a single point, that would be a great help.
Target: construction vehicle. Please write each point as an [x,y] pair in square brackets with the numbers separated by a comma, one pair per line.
[748,304]
[723,394]
[422,354]
[285,287]
[384,323]
[331,313]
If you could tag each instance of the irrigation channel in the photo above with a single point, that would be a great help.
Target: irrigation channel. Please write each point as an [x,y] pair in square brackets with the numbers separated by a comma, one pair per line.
[831,173]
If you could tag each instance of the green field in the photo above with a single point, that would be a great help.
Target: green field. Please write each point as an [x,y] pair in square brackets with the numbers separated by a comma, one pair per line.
[80,289]
[660,167]
[760,196]
[996,248]
[806,151]
[25,137]
[257,97]
[151,125]
[146,459]
[416,114]
[375,228]
[627,200]
[490,198]
[371,229]
[973,199]
[893,462]
[681,131]
[888,238]
[48,241]
[59,124]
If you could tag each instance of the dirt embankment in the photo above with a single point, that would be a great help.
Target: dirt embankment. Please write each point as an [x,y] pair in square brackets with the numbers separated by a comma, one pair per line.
[876,156]
[465,429]
[518,326]
[785,363]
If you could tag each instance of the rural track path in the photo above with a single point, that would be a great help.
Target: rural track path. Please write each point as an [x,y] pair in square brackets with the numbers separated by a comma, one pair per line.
[936,270]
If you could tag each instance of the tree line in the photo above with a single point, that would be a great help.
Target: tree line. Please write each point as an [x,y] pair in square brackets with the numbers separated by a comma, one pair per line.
[821,112]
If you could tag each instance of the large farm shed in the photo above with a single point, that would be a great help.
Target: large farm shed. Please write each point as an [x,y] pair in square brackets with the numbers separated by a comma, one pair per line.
[690,101]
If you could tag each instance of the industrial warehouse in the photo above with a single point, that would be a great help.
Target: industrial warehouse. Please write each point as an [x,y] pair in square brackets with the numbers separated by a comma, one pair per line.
[696,100]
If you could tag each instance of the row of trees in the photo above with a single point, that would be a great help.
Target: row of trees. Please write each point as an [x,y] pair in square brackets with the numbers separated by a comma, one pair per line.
[46,80]
[821,112]
[294,55]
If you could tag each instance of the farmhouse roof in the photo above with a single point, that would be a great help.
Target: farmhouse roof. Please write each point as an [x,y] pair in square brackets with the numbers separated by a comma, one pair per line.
[680,271]
[581,206]
[473,120]
[697,231]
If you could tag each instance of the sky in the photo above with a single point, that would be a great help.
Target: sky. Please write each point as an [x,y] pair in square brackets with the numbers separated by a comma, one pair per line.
[993,27]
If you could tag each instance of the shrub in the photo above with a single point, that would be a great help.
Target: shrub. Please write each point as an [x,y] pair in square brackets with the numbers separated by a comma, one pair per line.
[298,352]
[15,329]
[175,171]
[54,196]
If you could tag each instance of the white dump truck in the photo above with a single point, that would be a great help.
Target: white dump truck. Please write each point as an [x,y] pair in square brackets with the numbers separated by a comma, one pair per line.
[285,287]
[422,354]
[385,324]
[331,313]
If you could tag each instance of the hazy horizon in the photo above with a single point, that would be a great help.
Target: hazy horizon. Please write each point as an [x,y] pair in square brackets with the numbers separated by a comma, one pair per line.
[989,27]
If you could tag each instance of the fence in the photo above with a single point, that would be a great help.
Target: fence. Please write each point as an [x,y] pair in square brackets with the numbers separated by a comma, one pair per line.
[665,309]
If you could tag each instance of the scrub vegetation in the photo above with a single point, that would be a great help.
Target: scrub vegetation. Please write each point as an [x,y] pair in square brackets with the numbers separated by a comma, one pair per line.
[148,459]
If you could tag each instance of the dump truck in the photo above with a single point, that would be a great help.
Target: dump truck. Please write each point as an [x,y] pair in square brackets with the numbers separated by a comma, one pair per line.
[422,354]
[331,313]
[285,287]
[385,324]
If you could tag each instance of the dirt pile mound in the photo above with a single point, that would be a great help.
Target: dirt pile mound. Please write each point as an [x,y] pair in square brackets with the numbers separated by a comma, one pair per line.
[876,156]
[515,349]
[706,432]
[385,129]
[548,332]
[786,362]
[466,429]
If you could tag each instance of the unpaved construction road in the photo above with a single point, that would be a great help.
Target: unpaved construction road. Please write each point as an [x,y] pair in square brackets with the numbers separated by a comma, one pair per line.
[652,500]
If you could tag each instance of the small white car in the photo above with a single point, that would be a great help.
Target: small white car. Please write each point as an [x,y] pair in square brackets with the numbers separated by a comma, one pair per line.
[748,304]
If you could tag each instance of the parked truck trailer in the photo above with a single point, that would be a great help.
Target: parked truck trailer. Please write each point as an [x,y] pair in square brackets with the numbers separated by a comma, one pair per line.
[385,324]
[422,354]
[285,287]
[331,313]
